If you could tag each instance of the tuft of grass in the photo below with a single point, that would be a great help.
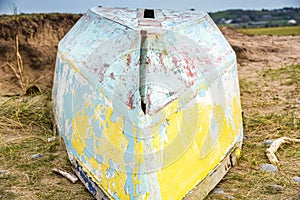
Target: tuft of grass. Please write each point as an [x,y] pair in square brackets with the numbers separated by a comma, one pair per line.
[246,86]
[25,114]
[25,125]
[279,31]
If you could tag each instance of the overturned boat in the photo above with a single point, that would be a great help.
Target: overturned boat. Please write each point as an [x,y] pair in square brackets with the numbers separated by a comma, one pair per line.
[147,102]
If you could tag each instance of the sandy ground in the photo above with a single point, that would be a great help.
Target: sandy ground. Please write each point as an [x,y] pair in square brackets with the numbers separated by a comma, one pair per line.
[259,53]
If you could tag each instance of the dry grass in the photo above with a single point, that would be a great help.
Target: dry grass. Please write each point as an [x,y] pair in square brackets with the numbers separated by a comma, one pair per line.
[267,117]
[25,126]
[26,123]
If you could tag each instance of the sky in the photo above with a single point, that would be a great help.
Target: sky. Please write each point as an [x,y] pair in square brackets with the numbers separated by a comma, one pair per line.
[81,6]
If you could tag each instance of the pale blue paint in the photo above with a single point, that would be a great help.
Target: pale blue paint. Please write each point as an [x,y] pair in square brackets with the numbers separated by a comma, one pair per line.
[99,49]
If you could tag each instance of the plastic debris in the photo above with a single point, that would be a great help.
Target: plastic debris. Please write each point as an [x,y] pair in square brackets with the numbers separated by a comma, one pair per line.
[36,156]
[51,139]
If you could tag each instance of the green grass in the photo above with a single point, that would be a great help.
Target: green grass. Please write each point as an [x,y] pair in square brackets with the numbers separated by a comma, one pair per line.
[279,31]
[288,75]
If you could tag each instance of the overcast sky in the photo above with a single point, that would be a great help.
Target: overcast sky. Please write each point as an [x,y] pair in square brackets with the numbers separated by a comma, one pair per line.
[81,6]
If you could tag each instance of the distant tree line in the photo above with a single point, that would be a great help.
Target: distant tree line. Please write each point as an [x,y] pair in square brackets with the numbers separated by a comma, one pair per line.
[258,18]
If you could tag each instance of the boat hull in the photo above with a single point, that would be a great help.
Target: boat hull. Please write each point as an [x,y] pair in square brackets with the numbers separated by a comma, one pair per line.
[148,103]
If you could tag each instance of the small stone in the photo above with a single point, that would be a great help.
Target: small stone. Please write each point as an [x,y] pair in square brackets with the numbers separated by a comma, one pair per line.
[268,168]
[275,188]
[234,190]
[229,197]
[218,190]
[296,179]
[3,171]
[268,142]
[36,156]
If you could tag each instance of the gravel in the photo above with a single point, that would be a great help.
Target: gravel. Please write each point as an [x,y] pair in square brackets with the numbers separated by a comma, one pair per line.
[268,168]
[218,190]
[229,197]
[268,142]
[275,188]
[296,179]
[3,171]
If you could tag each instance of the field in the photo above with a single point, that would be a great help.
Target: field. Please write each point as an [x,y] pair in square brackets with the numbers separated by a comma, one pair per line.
[269,76]
[278,31]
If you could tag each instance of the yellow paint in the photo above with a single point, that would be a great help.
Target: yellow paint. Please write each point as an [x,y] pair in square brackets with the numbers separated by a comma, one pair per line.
[76,69]
[113,131]
[190,169]
[94,163]
[147,196]
[112,135]
[238,152]
[173,121]
[114,184]
[79,131]
[139,160]
[209,142]
[136,182]
[65,58]
[112,138]
[185,172]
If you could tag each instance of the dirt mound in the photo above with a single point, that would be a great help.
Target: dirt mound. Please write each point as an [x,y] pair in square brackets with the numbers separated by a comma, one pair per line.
[38,39]
[39,36]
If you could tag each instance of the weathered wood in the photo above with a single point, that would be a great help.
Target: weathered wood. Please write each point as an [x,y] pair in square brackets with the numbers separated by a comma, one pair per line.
[274,147]
[67,175]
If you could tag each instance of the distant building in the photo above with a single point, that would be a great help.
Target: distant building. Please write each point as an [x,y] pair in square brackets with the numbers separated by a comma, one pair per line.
[292,22]
[228,21]
[225,21]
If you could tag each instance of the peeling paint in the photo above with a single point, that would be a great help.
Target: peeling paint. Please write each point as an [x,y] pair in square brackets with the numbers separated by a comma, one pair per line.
[144,105]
